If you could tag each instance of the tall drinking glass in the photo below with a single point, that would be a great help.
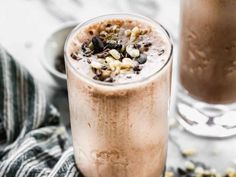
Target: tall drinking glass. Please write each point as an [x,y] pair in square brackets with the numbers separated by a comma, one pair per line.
[119,129]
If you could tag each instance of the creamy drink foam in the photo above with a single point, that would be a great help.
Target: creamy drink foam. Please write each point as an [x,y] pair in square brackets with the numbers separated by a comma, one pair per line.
[119,74]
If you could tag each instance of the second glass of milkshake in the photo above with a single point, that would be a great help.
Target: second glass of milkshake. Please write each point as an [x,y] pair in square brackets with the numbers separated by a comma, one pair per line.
[206,101]
[119,78]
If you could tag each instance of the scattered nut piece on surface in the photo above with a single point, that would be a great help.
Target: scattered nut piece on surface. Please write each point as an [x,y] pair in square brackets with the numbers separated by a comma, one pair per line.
[172,123]
[199,170]
[169,174]
[188,152]
[189,166]
[230,172]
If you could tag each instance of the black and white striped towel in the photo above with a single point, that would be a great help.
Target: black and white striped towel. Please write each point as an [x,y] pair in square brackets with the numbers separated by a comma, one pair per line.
[32,144]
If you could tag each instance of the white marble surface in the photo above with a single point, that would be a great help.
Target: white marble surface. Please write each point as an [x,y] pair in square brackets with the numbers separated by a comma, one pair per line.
[24,25]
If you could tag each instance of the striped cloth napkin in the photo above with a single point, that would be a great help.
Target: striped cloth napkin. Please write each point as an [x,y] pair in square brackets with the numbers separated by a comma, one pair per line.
[32,143]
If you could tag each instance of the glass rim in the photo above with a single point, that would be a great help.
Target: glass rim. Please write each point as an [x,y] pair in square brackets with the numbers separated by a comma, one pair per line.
[117,15]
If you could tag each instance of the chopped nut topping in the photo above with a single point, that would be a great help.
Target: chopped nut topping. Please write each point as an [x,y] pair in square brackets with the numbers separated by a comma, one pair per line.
[96,65]
[127,63]
[91,47]
[112,54]
[127,32]
[109,59]
[103,33]
[115,54]
[114,64]
[132,51]
[134,34]
[106,73]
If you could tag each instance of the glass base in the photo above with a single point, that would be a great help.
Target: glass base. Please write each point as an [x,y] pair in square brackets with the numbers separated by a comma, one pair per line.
[207,120]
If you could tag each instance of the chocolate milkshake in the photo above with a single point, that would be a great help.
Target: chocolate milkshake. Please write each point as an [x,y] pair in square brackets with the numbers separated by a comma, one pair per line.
[119,73]
[208,50]
[207,67]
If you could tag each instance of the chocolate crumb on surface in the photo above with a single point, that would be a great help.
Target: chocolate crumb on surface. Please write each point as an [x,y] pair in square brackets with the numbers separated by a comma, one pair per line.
[73,56]
[148,44]
[137,68]
[84,46]
[88,61]
[197,169]
[161,52]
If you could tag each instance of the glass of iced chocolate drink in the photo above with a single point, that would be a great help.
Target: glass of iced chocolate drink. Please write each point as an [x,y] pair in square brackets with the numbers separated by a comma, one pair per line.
[207,67]
[119,75]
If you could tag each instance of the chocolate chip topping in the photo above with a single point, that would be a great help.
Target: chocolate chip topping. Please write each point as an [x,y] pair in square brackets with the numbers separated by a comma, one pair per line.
[142,58]
[97,44]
